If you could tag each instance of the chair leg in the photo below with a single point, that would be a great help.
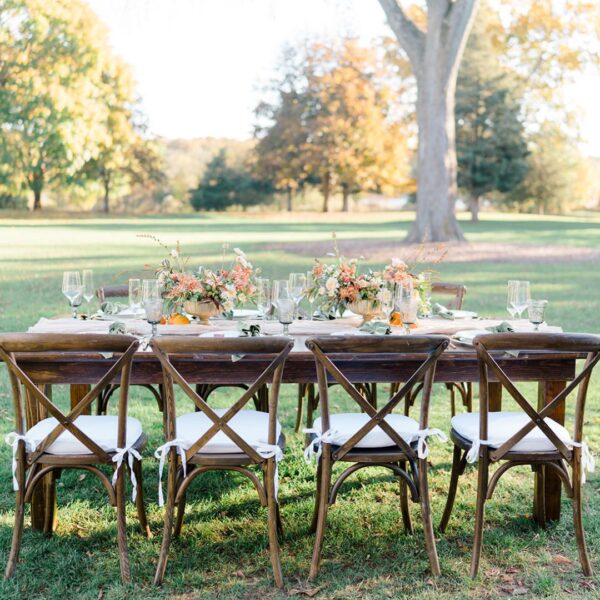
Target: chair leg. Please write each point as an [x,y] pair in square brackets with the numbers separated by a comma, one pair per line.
[139,500]
[427,520]
[169,512]
[302,389]
[404,502]
[452,400]
[272,524]
[578,521]
[319,480]
[322,507]
[482,484]
[17,536]
[456,471]
[469,397]
[279,521]
[180,515]
[540,498]
[122,527]
[311,405]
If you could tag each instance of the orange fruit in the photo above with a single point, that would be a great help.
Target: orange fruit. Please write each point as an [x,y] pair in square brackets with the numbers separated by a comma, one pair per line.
[163,321]
[396,319]
[178,319]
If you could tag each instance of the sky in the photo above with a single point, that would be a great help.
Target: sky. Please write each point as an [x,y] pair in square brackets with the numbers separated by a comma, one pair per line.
[200,64]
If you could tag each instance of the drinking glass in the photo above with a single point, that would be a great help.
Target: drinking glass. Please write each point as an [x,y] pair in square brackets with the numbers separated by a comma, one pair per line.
[150,290]
[72,289]
[88,286]
[154,312]
[297,287]
[386,296]
[407,303]
[425,307]
[263,297]
[310,283]
[135,295]
[521,296]
[535,312]
[284,303]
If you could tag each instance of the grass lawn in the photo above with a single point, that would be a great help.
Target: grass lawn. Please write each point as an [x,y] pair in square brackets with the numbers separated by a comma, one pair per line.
[223,549]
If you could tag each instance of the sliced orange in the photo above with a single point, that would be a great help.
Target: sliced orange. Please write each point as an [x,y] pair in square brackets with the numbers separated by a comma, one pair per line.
[178,319]
[396,319]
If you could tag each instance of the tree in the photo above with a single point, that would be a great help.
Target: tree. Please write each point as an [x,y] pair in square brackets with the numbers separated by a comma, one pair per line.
[490,142]
[50,110]
[223,186]
[435,53]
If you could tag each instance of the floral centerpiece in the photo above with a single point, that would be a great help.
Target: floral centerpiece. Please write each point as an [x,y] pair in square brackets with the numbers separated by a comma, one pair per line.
[206,292]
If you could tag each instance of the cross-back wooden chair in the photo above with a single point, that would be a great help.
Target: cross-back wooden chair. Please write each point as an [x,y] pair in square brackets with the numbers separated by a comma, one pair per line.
[376,437]
[455,293]
[221,439]
[72,440]
[103,294]
[530,437]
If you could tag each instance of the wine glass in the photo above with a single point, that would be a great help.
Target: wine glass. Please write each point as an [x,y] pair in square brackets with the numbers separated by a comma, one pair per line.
[297,287]
[263,297]
[425,278]
[407,302]
[310,283]
[535,312]
[386,300]
[135,295]
[153,303]
[285,304]
[88,286]
[510,298]
[72,289]
[521,296]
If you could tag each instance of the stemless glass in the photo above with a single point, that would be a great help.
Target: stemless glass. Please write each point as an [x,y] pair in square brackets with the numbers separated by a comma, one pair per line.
[297,287]
[135,295]
[535,312]
[408,303]
[88,286]
[521,296]
[510,298]
[285,304]
[263,297]
[72,289]
[386,299]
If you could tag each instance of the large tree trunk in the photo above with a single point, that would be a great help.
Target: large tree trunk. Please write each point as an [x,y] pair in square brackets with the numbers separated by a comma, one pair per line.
[326,189]
[106,184]
[435,55]
[345,199]
[289,199]
[474,205]
[36,183]
[37,199]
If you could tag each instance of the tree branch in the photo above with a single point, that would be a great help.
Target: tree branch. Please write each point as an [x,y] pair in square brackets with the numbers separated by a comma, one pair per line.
[459,22]
[411,38]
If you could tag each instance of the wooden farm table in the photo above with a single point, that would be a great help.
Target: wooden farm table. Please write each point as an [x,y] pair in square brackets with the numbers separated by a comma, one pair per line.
[457,364]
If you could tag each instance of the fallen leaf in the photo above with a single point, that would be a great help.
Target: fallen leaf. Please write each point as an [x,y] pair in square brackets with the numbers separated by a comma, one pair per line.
[559,559]
[309,592]
[520,591]
[100,594]
[82,477]
[238,574]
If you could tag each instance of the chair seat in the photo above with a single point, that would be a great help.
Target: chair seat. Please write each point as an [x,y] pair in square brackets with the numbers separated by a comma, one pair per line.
[503,425]
[101,429]
[251,425]
[344,425]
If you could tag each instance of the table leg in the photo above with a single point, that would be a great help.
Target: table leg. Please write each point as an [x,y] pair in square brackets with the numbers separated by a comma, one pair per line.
[494,396]
[77,392]
[550,482]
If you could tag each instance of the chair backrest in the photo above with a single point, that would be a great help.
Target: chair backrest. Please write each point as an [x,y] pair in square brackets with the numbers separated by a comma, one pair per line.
[574,345]
[329,350]
[14,348]
[112,291]
[274,351]
[456,291]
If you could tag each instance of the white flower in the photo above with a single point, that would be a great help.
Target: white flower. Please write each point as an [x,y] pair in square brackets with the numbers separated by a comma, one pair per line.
[331,285]
[242,298]
[227,305]
[398,263]
[321,291]
[161,278]
[239,252]
[384,295]
[174,253]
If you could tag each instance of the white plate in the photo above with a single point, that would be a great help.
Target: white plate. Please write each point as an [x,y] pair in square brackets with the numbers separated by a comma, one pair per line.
[220,334]
[464,314]
[245,313]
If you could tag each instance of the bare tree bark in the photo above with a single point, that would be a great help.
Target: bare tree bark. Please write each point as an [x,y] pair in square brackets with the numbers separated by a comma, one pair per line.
[435,56]
[288,192]
[326,189]
[474,205]
[345,199]
[106,184]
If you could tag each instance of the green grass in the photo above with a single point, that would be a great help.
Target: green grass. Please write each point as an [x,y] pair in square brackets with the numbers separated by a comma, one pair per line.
[223,550]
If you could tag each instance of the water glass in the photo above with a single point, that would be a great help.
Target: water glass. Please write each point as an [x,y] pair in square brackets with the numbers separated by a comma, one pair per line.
[135,295]
[73,290]
[407,303]
[89,290]
[263,297]
[425,308]
[510,298]
[520,296]
[150,290]
[386,300]
[535,312]
[297,287]
[154,312]
[284,303]
[310,283]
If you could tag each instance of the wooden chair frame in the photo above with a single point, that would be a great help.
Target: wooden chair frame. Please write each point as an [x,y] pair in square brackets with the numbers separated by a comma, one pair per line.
[327,350]
[38,462]
[557,460]
[167,348]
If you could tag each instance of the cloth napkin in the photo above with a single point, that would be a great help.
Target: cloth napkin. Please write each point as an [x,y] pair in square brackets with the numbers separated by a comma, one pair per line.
[503,327]
[376,328]
[248,330]
[442,311]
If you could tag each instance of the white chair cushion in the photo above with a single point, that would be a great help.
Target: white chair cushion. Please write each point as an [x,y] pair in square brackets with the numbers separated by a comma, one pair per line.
[503,425]
[251,425]
[345,425]
[101,429]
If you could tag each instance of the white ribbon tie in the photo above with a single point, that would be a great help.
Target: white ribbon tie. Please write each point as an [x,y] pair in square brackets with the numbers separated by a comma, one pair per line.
[272,451]
[327,437]
[161,453]
[119,456]
[422,435]
[13,439]
[588,463]
[473,453]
